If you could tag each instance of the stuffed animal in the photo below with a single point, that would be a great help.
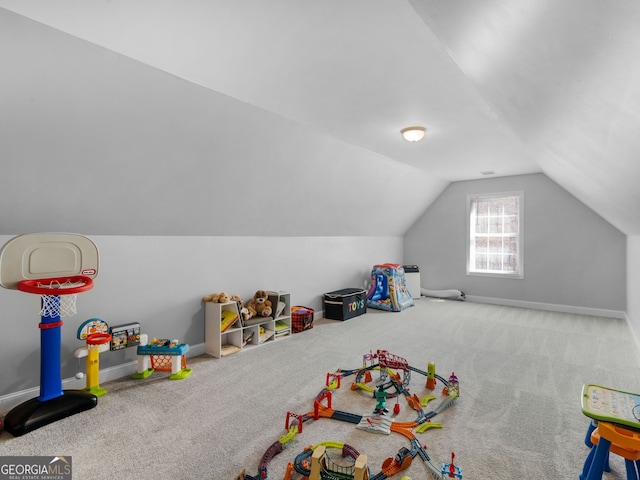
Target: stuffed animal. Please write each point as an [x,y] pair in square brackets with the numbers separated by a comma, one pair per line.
[220,297]
[259,305]
[244,311]
[209,298]
[264,309]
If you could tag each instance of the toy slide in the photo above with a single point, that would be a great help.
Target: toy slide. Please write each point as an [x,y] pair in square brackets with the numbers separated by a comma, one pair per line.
[451,293]
[388,290]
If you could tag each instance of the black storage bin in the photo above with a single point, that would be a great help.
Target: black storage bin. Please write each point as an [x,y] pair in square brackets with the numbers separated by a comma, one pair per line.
[345,304]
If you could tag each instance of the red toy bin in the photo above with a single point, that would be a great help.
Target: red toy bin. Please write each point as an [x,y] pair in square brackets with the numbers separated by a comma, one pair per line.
[301,319]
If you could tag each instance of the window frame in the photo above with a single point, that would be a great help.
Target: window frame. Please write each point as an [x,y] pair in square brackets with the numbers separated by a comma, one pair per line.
[474,197]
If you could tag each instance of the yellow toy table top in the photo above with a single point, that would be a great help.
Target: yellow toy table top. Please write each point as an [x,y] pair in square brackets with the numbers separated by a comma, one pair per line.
[610,405]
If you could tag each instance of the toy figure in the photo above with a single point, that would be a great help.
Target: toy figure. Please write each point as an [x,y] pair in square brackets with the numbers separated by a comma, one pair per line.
[381,399]
[454,385]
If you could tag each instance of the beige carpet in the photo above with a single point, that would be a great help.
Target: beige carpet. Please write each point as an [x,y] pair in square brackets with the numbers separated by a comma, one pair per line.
[518,416]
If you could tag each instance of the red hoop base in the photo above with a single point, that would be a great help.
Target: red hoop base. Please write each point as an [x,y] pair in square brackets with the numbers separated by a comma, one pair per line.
[98,338]
[36,286]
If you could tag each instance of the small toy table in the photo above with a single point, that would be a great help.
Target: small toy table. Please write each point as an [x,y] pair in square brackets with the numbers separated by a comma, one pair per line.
[615,414]
[610,405]
[163,348]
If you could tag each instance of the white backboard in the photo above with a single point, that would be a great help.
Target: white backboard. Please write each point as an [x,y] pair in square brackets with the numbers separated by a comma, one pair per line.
[37,256]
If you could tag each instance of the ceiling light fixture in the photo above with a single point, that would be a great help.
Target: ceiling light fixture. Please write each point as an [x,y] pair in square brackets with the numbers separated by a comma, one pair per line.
[413,134]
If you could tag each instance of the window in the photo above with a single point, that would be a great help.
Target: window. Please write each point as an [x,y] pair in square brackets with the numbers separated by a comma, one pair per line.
[495,234]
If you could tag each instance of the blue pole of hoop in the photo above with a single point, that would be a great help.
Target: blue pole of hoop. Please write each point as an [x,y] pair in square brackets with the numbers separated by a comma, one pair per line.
[50,346]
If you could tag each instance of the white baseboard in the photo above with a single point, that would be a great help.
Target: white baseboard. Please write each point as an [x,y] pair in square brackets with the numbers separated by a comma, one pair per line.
[552,307]
[7,402]
[634,336]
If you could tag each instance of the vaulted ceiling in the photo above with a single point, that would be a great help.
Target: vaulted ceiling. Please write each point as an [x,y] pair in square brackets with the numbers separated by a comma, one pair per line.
[169,117]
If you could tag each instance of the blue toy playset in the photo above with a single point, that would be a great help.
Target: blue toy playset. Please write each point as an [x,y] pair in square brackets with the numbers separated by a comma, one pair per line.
[388,290]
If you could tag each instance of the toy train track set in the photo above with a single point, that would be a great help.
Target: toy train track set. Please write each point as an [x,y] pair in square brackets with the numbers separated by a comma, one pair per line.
[394,374]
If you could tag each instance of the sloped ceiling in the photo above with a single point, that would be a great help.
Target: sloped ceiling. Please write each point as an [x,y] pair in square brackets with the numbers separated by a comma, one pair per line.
[194,118]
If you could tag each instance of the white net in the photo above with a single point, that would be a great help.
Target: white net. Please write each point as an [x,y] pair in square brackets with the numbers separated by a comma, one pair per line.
[60,304]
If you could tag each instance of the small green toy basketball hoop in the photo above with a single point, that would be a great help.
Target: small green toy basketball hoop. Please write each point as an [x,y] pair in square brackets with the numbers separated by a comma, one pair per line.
[58,294]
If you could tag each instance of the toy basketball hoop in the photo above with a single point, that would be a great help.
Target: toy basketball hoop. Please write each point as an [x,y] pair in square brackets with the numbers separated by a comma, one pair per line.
[98,338]
[56,266]
[58,294]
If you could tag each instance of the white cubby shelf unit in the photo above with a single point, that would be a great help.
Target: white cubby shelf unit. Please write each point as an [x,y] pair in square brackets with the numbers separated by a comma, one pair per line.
[243,335]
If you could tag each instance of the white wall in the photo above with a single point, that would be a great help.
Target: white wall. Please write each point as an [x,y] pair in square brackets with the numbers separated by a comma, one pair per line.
[633,284]
[160,282]
[127,149]
[572,257]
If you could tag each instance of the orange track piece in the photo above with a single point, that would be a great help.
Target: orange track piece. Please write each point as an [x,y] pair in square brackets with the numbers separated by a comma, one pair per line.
[287,475]
[390,466]
[404,428]
[414,402]
[324,411]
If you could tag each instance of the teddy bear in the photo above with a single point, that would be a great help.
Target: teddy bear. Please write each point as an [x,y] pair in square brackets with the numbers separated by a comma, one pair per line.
[220,297]
[244,311]
[208,298]
[224,297]
[259,305]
